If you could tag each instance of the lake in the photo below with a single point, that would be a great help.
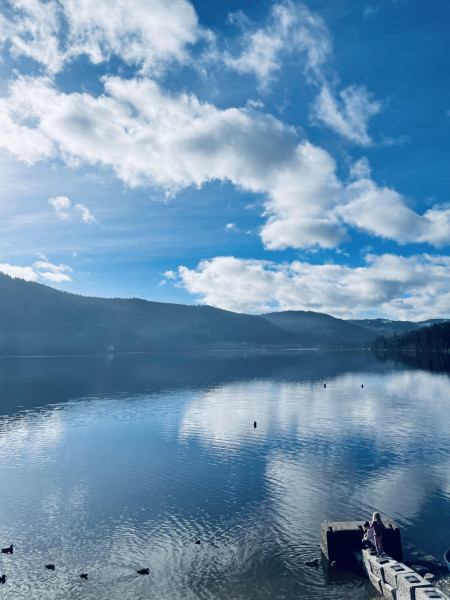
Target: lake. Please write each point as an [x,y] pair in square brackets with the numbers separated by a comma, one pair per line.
[113,464]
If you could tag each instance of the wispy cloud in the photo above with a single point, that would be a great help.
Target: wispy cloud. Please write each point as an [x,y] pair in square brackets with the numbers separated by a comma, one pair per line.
[61,204]
[349,115]
[86,215]
[64,209]
[290,29]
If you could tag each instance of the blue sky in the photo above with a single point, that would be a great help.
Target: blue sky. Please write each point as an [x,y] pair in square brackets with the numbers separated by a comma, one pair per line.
[249,155]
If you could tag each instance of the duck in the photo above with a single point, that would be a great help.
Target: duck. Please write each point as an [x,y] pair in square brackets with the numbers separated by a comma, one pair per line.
[84,575]
[255,424]
[3,579]
[8,550]
[312,563]
[50,566]
[197,542]
[144,571]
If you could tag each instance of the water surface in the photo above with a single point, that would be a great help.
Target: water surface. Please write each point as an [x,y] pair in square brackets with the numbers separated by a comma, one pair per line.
[108,466]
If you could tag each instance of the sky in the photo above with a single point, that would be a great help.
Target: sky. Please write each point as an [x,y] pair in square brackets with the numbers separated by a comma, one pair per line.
[254,156]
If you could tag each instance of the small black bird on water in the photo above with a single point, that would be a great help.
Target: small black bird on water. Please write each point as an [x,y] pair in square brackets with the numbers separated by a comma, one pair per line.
[324,385]
[312,563]
[144,571]
[3,579]
[8,550]
[83,575]
[50,566]
[197,541]
[254,424]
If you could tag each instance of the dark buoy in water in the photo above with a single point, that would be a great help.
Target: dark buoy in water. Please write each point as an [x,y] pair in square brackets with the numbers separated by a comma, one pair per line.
[144,571]
[312,563]
[50,566]
[84,575]
[254,424]
[324,385]
[3,579]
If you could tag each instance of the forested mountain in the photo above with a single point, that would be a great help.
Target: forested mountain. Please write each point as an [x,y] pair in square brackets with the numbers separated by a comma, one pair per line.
[37,319]
[435,338]
[318,328]
[387,328]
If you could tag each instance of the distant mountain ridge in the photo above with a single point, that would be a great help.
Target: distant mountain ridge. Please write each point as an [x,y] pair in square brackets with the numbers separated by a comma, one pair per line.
[387,327]
[319,328]
[37,319]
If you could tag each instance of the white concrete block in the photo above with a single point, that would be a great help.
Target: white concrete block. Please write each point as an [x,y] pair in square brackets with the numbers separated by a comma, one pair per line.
[408,583]
[380,563]
[388,591]
[390,573]
[376,582]
[430,593]
[367,555]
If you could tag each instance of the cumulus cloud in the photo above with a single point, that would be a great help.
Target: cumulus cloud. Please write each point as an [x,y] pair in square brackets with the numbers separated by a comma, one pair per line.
[292,28]
[137,129]
[144,33]
[40,270]
[416,287]
[349,115]
[27,273]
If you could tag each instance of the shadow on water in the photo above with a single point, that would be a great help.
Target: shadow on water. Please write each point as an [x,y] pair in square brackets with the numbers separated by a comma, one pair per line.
[39,381]
[435,362]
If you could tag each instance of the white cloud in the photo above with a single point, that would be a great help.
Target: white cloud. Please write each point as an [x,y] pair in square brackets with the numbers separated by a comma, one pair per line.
[416,287]
[40,270]
[348,116]
[292,28]
[60,204]
[33,31]
[27,273]
[370,11]
[86,215]
[137,129]
[144,33]
[63,208]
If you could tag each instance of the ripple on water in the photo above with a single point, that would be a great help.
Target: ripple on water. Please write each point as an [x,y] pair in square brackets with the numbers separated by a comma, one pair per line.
[108,485]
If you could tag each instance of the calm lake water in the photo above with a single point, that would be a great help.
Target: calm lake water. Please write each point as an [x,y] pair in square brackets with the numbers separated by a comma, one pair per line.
[111,465]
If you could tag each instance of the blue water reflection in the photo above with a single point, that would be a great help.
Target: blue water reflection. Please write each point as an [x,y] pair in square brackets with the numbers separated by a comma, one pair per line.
[108,467]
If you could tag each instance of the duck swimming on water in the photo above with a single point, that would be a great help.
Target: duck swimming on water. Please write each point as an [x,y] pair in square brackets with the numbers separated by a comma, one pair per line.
[8,550]
[143,571]
[312,563]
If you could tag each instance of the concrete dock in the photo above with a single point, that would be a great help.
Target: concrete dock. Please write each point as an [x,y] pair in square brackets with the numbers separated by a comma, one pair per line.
[341,541]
